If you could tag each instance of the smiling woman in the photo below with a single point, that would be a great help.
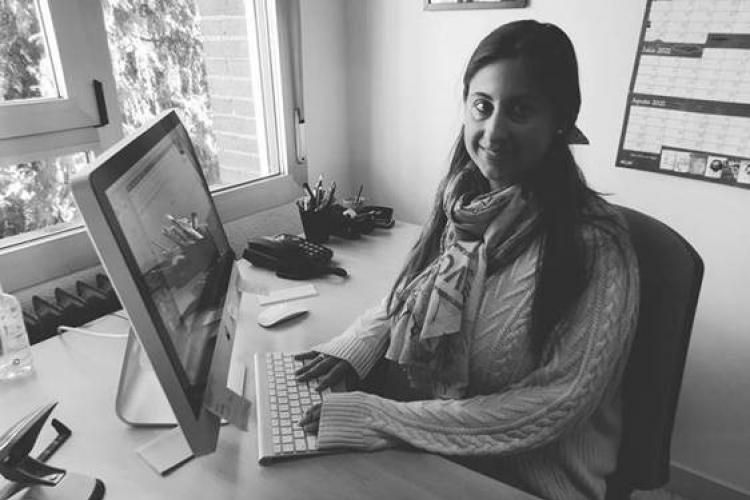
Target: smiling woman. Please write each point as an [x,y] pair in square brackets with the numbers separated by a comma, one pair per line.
[505,335]
[509,123]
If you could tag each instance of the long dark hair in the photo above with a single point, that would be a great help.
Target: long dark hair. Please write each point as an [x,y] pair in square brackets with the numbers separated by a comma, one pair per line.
[557,184]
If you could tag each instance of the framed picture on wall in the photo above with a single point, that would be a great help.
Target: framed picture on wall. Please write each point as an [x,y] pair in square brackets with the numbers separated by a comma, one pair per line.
[474,4]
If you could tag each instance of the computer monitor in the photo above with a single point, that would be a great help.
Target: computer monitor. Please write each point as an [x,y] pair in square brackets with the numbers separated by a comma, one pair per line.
[149,213]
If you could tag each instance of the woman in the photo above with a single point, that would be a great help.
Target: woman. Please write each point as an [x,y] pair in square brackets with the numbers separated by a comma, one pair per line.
[504,338]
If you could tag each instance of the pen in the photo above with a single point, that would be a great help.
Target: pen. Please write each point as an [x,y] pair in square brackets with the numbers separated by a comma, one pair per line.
[307,188]
[327,197]
[319,191]
[356,200]
[303,203]
[331,190]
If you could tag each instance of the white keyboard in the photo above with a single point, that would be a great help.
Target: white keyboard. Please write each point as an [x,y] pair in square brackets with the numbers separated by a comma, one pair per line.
[281,402]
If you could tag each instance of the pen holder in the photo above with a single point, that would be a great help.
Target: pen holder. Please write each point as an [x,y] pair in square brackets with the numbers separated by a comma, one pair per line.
[316,224]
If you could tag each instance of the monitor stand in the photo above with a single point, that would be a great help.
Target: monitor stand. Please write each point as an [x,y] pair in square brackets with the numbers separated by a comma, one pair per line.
[140,399]
[141,402]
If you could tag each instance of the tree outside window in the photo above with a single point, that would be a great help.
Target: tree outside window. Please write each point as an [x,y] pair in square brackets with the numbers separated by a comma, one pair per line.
[164,54]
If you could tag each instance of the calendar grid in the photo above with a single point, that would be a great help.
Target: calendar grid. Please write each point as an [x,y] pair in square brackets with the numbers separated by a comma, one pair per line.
[688,110]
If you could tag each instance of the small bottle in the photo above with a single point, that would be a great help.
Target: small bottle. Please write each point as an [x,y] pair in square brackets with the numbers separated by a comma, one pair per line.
[15,353]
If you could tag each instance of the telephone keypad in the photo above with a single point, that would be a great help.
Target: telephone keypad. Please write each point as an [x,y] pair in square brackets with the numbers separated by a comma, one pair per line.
[318,253]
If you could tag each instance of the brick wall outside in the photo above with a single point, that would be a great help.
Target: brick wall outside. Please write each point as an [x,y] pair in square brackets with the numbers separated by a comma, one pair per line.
[230,83]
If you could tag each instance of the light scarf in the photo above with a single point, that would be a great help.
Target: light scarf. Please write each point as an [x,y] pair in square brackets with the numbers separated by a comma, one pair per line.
[430,334]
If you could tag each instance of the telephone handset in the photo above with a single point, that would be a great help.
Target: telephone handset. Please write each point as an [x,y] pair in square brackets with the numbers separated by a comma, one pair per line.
[291,257]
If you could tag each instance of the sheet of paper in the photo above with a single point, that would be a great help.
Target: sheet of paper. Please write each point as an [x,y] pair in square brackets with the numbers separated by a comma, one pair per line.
[286,294]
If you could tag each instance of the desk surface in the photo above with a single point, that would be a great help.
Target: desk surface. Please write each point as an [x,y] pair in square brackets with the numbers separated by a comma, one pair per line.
[81,372]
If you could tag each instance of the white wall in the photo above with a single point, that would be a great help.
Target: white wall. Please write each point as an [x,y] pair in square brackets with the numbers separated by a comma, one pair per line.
[325,91]
[404,68]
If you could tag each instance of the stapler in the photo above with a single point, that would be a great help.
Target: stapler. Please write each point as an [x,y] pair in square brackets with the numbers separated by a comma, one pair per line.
[32,479]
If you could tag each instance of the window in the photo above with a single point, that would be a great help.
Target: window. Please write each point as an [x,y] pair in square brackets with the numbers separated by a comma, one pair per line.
[220,63]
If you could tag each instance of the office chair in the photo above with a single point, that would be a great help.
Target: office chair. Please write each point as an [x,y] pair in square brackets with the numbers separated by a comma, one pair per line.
[671,272]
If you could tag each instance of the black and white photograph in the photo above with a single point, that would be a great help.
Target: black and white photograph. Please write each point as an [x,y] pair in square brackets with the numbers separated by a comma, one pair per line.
[374,249]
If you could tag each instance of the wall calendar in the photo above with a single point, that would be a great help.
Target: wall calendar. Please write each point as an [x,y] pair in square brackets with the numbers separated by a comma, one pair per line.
[688,109]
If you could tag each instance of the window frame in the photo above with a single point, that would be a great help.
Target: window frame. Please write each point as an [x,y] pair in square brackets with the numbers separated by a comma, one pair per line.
[77,106]
[37,261]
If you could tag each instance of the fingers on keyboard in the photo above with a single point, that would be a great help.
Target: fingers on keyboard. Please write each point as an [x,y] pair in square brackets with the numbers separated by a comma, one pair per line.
[318,368]
[307,364]
[305,355]
[335,375]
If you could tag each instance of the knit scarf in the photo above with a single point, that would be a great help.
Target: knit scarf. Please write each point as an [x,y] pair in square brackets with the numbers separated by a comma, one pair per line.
[430,334]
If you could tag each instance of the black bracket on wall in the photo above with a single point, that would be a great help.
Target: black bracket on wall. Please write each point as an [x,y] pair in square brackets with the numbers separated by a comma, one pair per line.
[101,104]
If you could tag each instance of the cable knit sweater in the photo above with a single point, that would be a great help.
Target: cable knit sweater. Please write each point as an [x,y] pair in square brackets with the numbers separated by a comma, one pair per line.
[550,428]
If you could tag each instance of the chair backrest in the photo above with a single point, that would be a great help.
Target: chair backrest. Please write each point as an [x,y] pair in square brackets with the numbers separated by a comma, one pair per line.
[671,272]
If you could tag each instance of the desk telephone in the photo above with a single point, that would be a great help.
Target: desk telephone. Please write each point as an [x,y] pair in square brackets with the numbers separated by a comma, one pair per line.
[291,257]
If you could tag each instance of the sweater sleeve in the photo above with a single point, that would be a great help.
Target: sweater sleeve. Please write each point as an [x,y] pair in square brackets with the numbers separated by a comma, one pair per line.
[364,342]
[587,353]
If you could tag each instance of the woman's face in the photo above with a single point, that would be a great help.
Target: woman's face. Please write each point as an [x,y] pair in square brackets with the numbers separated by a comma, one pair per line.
[508,123]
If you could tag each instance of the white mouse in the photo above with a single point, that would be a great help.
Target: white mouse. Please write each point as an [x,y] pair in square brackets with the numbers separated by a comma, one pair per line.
[273,315]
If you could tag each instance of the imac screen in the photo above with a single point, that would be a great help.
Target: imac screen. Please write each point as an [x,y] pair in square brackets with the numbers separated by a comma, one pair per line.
[176,244]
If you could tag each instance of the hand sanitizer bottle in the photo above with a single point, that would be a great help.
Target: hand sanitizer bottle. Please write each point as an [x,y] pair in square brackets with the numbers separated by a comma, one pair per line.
[15,353]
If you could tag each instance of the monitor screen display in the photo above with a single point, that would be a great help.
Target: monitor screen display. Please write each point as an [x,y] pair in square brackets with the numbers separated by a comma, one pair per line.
[172,236]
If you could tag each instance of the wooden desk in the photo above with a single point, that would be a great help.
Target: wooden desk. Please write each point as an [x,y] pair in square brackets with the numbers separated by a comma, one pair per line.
[81,372]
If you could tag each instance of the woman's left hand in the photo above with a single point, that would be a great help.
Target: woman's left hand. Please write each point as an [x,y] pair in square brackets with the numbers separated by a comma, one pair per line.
[311,419]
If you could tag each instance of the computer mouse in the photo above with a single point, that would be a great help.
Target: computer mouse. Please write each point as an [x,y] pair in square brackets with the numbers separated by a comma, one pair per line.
[273,315]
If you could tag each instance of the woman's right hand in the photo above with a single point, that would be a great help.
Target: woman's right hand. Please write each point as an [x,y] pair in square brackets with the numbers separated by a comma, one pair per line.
[329,370]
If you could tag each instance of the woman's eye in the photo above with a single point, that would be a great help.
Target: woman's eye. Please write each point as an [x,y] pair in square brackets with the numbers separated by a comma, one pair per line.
[521,111]
[481,108]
